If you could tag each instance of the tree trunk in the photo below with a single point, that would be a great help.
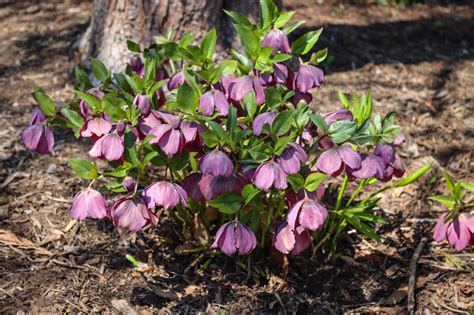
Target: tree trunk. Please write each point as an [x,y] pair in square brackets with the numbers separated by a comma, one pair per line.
[115,21]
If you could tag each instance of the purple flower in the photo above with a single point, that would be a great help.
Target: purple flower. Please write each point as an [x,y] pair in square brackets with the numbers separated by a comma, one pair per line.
[307,77]
[173,134]
[109,147]
[212,99]
[292,198]
[212,186]
[309,213]
[459,232]
[88,203]
[225,84]
[143,102]
[216,163]
[371,166]
[96,127]
[149,122]
[234,237]
[278,40]
[129,184]
[137,66]
[325,141]
[279,75]
[393,163]
[243,85]
[399,139]
[262,120]
[131,213]
[38,138]
[165,194]
[291,158]
[270,174]
[290,240]
[191,186]
[37,116]
[300,96]
[334,160]
[176,81]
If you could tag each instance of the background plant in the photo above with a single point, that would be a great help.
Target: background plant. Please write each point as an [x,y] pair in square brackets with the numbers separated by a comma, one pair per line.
[231,146]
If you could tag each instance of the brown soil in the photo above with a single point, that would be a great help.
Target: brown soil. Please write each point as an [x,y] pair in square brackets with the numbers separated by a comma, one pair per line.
[417,60]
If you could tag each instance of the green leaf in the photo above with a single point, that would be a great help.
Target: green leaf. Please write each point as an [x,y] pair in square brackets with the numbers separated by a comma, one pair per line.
[82,79]
[413,176]
[280,145]
[113,107]
[249,40]
[363,228]
[342,130]
[268,11]
[74,118]
[218,130]
[261,152]
[449,182]
[293,27]
[231,121]
[283,122]
[296,181]
[187,99]
[273,97]
[134,47]
[131,154]
[467,185]
[344,99]
[305,43]
[120,171]
[283,18]
[320,122]
[210,138]
[45,103]
[445,200]
[208,44]
[115,187]
[319,56]
[90,99]
[238,18]
[250,103]
[263,58]
[100,70]
[313,181]
[84,169]
[249,192]
[228,203]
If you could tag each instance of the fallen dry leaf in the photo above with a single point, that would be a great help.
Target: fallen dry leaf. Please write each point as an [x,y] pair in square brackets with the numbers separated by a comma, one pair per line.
[401,293]
[9,238]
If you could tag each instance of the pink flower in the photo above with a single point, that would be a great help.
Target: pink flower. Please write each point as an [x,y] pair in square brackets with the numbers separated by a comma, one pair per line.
[270,174]
[291,158]
[244,85]
[216,163]
[306,77]
[176,81]
[278,40]
[165,194]
[109,147]
[334,160]
[143,102]
[38,138]
[290,240]
[262,120]
[88,203]
[234,237]
[131,213]
[213,99]
[309,213]
[212,186]
[459,231]
[96,127]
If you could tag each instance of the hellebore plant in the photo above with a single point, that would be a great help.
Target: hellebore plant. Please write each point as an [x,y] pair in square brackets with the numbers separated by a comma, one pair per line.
[233,146]
[457,225]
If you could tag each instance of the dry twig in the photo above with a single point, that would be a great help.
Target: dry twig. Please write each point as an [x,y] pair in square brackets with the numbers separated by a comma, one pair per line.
[412,279]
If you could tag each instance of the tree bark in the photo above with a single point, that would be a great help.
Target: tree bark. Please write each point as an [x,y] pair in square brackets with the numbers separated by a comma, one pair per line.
[115,21]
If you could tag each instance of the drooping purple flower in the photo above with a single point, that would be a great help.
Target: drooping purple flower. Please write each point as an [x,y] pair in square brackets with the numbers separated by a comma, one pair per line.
[88,203]
[216,163]
[176,81]
[309,213]
[213,99]
[459,231]
[225,84]
[290,240]
[234,237]
[137,66]
[399,139]
[143,102]
[261,120]
[131,213]
[38,138]
[371,166]
[280,73]
[165,194]
[37,116]
[278,40]
[325,141]
[149,122]
[243,85]
[96,127]
[292,157]
[306,77]
[393,163]
[213,186]
[173,133]
[129,184]
[109,147]
[334,160]
[300,96]
[191,186]
[292,198]
[270,174]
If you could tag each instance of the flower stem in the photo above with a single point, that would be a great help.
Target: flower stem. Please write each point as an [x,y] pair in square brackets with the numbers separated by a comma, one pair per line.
[341,192]
[356,192]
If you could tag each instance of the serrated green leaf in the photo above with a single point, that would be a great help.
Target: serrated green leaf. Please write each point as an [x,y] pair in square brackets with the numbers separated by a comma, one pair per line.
[228,203]
[305,43]
[320,122]
[284,18]
[238,18]
[100,70]
[313,181]
[187,100]
[249,192]
[280,145]
[249,40]
[134,47]
[208,44]
[296,181]
[445,200]
[45,103]
[293,27]
[91,100]
[283,122]
[83,168]
[467,185]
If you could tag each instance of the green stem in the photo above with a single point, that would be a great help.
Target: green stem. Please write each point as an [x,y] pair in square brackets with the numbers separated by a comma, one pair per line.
[341,192]
[356,192]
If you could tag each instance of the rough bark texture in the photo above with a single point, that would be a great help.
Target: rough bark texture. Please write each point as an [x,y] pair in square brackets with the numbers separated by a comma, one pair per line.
[115,21]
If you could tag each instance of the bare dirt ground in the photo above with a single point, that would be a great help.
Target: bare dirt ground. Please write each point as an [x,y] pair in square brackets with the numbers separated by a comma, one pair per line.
[417,60]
